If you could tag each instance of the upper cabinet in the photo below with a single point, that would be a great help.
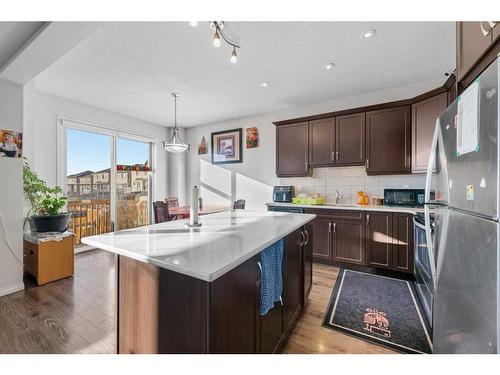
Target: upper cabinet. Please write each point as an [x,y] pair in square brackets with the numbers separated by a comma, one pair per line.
[350,139]
[337,141]
[474,42]
[292,150]
[388,141]
[322,142]
[424,116]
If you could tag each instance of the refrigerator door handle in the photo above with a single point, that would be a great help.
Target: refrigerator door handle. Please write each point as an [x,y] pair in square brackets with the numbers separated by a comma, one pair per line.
[430,244]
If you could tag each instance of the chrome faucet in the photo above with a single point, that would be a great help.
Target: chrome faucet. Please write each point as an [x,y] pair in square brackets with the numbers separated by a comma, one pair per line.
[338,196]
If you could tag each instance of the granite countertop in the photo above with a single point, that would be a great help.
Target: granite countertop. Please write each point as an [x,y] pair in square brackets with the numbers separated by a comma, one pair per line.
[37,237]
[224,241]
[333,206]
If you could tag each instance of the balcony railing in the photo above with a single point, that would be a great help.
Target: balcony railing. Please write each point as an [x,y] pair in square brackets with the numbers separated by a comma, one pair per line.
[93,217]
[89,217]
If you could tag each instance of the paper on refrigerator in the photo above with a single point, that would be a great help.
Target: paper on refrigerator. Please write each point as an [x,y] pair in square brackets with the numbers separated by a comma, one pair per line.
[468,120]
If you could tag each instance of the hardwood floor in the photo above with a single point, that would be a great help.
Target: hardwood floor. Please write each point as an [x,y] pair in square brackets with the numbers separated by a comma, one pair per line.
[309,337]
[77,315]
[74,315]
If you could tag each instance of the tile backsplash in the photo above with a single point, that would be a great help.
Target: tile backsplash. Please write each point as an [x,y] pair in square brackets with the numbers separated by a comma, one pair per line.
[350,180]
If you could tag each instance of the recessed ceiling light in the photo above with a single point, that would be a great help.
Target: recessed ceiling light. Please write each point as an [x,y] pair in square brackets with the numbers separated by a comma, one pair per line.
[330,66]
[264,84]
[368,34]
[193,23]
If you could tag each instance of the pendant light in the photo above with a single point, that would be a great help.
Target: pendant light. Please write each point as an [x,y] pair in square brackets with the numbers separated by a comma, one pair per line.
[175,143]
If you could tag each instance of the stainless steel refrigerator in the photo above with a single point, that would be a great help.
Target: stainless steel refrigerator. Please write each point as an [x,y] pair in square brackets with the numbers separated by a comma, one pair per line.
[463,172]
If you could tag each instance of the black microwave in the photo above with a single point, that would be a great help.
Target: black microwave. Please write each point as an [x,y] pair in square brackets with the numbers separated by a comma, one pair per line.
[404,197]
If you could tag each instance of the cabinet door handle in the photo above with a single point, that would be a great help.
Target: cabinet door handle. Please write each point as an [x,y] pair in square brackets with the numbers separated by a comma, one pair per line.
[368,163]
[337,156]
[483,30]
[330,227]
[334,227]
[302,238]
[367,219]
[260,271]
[332,155]
[307,236]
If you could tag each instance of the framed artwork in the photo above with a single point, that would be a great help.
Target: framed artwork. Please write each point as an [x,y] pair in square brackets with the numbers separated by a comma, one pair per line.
[252,137]
[226,147]
[202,146]
[11,144]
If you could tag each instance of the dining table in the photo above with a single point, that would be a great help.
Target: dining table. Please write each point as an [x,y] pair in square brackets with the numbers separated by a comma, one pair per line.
[182,212]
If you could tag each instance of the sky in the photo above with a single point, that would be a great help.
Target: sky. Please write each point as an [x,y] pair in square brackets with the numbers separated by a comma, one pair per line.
[91,151]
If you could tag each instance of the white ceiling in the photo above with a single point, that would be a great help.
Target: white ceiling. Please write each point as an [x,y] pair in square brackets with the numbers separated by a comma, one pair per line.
[131,68]
[13,35]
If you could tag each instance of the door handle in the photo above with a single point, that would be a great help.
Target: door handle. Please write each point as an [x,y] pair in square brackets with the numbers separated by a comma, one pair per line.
[332,155]
[334,227]
[367,219]
[368,163]
[337,156]
[302,238]
[329,227]
[260,272]
[307,236]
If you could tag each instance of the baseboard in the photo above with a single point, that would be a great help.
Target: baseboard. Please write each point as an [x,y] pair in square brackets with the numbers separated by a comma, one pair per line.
[11,289]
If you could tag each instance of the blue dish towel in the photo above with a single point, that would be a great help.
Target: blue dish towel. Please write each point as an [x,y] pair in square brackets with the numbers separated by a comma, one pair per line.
[271,286]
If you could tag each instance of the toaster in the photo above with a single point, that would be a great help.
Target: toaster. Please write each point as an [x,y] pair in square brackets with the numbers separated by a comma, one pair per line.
[283,194]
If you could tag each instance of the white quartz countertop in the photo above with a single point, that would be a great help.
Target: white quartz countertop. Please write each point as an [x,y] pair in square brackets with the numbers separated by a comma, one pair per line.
[224,241]
[410,210]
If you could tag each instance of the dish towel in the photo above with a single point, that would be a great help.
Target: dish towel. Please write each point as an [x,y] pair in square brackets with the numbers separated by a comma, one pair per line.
[271,286]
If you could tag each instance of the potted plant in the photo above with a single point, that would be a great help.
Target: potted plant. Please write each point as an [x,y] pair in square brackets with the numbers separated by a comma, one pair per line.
[46,203]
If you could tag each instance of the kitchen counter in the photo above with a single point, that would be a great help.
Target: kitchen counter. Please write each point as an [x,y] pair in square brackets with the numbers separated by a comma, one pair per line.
[224,241]
[332,206]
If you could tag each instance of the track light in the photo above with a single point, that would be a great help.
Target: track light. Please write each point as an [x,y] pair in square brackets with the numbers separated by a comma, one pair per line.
[234,57]
[218,27]
[216,39]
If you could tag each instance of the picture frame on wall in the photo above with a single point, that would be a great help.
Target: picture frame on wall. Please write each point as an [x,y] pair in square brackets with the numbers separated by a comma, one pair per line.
[227,146]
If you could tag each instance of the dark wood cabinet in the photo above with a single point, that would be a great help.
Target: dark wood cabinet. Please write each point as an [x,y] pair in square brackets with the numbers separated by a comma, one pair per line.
[350,139]
[389,240]
[472,43]
[322,142]
[322,238]
[388,141]
[402,246]
[292,157]
[308,262]
[379,239]
[348,241]
[424,116]
[292,277]
[272,330]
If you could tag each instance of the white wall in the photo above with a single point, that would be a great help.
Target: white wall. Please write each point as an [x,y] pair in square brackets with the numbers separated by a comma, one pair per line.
[11,193]
[254,178]
[40,127]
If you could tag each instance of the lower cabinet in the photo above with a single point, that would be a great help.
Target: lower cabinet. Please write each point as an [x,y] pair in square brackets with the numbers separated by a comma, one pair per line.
[366,238]
[379,239]
[389,240]
[274,328]
[348,241]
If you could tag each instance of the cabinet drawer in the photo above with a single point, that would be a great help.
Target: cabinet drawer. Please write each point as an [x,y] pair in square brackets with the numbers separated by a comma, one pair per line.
[338,214]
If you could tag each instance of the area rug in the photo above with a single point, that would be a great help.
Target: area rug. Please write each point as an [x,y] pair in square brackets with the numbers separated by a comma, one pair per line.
[379,309]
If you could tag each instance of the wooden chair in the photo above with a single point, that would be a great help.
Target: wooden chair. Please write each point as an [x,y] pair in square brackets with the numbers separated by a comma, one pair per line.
[239,204]
[172,202]
[160,210]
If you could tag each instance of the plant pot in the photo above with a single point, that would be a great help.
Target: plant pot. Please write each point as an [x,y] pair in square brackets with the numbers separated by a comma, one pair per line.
[51,223]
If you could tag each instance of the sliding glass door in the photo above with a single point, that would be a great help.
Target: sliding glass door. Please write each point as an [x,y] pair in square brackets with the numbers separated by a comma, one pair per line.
[108,179]
[132,183]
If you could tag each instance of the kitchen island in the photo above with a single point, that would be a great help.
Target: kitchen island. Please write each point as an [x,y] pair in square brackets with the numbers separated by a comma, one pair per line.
[196,290]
